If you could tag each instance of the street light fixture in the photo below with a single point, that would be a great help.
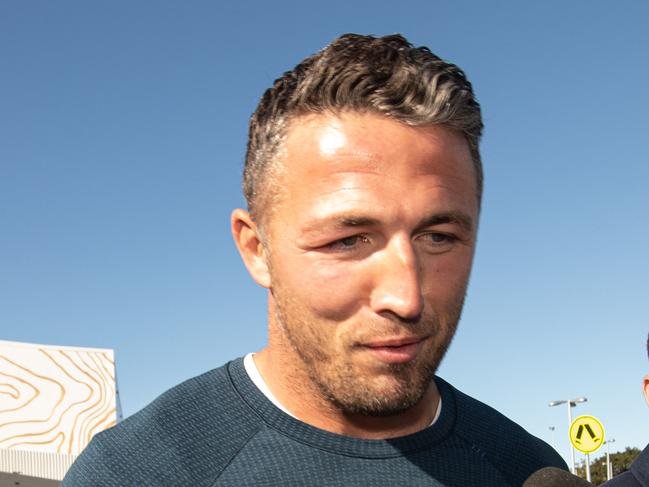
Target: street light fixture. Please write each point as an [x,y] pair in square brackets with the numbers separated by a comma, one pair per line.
[571,404]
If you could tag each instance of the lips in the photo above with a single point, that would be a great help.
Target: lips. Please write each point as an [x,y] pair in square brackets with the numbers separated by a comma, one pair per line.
[395,350]
[393,342]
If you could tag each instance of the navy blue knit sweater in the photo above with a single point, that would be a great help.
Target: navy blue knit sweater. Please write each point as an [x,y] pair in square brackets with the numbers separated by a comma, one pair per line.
[218,429]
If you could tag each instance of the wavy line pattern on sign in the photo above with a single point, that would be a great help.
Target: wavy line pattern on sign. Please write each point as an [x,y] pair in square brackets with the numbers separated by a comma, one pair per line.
[54,399]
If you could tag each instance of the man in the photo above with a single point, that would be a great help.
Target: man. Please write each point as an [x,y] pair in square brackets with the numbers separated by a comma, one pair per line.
[638,473]
[363,182]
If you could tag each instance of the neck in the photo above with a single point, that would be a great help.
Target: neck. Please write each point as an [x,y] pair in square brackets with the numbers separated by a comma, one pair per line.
[282,370]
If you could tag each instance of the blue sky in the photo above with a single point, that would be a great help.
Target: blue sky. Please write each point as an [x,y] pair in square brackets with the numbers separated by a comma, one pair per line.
[122,136]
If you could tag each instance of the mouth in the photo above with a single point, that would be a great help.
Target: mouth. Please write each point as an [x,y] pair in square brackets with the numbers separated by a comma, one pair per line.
[395,350]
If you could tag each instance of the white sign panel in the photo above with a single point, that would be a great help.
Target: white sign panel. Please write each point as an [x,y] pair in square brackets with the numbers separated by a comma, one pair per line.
[54,399]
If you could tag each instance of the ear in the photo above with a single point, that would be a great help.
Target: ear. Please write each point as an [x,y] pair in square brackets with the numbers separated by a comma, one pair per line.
[248,241]
[645,388]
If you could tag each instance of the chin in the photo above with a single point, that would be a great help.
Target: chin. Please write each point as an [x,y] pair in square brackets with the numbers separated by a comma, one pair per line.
[387,395]
[380,405]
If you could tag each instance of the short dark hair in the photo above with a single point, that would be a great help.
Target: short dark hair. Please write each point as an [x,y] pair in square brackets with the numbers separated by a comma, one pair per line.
[384,75]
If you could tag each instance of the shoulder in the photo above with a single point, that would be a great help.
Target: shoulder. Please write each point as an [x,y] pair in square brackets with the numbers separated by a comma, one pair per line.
[636,476]
[625,479]
[188,433]
[506,445]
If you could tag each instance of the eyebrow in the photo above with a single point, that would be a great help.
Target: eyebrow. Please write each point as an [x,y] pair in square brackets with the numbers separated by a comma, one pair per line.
[342,222]
[354,221]
[461,219]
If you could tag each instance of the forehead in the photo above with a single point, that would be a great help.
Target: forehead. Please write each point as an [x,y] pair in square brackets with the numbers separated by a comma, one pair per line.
[339,134]
[350,141]
[332,160]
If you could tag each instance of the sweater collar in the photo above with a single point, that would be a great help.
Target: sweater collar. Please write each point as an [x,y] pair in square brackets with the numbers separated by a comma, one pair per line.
[291,427]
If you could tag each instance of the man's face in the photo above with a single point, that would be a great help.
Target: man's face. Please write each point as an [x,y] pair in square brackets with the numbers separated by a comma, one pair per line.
[370,246]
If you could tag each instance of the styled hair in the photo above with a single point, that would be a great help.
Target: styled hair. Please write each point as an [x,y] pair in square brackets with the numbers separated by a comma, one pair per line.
[383,75]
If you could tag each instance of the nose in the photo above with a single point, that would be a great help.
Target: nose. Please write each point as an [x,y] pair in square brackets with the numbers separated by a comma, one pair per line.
[397,288]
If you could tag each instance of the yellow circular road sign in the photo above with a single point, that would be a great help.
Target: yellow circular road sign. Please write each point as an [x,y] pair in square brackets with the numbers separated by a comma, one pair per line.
[586,434]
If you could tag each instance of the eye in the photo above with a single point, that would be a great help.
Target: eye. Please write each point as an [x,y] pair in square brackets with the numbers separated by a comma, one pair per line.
[348,243]
[438,241]
[439,238]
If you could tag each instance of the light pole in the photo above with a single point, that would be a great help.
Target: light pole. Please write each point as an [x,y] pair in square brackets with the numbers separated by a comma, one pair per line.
[571,404]
[554,441]
[609,465]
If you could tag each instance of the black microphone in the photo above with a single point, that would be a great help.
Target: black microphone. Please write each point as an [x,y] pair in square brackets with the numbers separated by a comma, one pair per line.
[554,477]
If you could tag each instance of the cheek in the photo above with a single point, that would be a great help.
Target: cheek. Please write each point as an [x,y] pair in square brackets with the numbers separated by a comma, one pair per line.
[445,279]
[331,291]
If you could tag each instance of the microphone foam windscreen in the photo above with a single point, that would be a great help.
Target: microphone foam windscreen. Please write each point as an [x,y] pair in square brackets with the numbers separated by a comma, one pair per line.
[554,477]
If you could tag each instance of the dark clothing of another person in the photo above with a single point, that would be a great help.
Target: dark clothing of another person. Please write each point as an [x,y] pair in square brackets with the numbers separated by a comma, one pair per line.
[636,476]
[219,430]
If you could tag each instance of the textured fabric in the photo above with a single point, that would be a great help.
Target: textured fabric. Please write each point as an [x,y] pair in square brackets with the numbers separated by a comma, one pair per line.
[637,475]
[218,429]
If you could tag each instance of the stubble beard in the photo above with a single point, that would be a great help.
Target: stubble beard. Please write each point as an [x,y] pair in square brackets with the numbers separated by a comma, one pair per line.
[353,393]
